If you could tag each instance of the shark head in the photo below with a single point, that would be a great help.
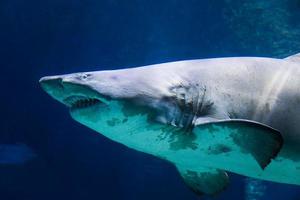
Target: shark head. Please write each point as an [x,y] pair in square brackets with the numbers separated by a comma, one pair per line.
[123,105]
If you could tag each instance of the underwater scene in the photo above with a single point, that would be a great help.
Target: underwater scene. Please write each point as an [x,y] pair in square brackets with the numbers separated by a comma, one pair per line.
[213,114]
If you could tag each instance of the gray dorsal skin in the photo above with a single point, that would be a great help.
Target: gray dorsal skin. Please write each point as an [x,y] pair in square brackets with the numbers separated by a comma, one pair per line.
[224,114]
[294,58]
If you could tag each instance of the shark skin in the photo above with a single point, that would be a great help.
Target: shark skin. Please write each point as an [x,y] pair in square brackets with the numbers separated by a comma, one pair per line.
[205,116]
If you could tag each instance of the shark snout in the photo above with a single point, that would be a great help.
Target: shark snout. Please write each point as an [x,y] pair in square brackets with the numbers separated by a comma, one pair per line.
[51,83]
[54,86]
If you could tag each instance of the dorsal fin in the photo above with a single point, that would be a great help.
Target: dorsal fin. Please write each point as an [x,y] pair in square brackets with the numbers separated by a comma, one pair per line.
[293,58]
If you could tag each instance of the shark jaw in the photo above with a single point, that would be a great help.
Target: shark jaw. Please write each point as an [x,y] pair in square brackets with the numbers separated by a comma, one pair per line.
[80,102]
[118,119]
[86,105]
[75,96]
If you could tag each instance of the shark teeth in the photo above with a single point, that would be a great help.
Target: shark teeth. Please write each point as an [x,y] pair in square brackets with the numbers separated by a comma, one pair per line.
[81,102]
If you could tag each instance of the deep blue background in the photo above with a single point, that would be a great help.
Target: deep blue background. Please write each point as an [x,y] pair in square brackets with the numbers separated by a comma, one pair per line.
[50,37]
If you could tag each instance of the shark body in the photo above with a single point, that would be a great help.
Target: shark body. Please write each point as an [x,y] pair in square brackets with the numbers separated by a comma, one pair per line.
[205,116]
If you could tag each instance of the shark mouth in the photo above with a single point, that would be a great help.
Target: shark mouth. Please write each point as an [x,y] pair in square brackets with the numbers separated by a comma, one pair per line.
[81,102]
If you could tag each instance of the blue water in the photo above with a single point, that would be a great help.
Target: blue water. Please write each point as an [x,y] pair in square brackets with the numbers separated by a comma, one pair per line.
[50,37]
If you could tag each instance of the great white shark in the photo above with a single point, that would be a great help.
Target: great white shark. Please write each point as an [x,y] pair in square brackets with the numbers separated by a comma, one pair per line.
[206,116]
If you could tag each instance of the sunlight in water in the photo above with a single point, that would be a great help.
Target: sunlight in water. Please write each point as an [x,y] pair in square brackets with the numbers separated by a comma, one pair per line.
[271,93]
[254,189]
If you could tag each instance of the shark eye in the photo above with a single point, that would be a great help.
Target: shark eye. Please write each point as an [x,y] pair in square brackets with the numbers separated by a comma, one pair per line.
[85,76]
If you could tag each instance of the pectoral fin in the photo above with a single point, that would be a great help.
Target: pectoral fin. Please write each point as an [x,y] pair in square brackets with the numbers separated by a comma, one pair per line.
[205,180]
[241,137]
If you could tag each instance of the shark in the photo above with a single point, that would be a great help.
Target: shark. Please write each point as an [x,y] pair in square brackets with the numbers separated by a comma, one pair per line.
[207,117]
[16,154]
